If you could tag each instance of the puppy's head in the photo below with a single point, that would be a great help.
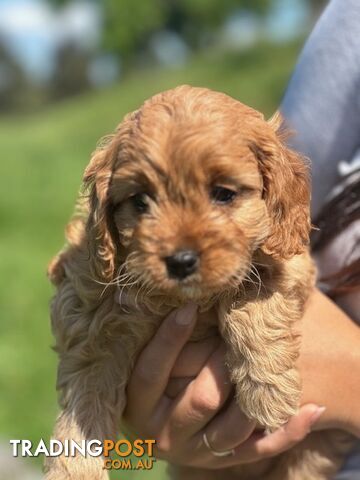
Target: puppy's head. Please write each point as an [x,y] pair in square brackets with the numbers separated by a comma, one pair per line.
[188,188]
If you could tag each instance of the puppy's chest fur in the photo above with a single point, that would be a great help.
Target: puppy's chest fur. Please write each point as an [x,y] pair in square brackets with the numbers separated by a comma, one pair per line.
[271,281]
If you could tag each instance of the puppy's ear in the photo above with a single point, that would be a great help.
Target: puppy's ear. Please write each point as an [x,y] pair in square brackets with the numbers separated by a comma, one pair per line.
[101,230]
[96,182]
[286,192]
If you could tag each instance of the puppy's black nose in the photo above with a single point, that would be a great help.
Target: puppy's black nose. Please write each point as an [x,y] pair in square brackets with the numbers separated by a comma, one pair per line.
[182,264]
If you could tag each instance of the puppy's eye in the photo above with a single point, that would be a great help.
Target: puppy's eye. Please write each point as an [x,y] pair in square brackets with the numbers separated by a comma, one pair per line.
[222,195]
[140,202]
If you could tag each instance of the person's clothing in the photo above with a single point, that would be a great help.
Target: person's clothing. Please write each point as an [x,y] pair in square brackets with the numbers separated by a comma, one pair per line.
[322,105]
[351,468]
[322,101]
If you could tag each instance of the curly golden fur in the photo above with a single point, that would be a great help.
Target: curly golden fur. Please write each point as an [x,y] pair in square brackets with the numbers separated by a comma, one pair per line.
[191,170]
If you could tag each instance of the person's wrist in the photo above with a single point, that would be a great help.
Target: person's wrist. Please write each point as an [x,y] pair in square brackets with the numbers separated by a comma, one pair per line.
[350,413]
[343,387]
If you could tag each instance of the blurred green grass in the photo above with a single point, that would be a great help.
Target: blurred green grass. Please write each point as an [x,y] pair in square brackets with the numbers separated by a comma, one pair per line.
[42,160]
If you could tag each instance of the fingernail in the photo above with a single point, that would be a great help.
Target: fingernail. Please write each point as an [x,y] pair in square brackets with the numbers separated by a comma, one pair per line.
[317,414]
[185,315]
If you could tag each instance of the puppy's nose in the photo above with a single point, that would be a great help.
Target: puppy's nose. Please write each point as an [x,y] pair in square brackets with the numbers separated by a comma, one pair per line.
[182,264]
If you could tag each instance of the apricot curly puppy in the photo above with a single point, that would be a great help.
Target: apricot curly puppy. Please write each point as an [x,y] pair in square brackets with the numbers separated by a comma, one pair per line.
[194,197]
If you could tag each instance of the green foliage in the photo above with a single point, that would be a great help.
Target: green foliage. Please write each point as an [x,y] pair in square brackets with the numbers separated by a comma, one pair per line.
[43,157]
[59,3]
[128,22]
[210,13]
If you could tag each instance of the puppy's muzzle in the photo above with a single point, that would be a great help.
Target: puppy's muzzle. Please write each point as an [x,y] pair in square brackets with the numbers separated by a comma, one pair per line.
[182,264]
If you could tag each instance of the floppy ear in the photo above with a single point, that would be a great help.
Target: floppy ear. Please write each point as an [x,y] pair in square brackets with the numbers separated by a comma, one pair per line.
[286,192]
[96,182]
[101,230]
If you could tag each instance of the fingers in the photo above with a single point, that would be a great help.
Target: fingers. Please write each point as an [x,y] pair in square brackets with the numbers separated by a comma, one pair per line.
[258,447]
[189,363]
[153,367]
[289,435]
[193,357]
[177,385]
[201,400]
[229,429]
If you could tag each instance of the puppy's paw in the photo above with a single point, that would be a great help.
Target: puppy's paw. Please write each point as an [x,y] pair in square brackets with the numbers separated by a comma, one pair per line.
[271,403]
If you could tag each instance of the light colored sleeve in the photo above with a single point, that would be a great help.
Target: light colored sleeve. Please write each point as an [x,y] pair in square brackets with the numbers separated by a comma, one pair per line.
[322,101]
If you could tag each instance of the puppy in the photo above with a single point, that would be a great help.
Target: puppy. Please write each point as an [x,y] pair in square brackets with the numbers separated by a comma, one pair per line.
[195,197]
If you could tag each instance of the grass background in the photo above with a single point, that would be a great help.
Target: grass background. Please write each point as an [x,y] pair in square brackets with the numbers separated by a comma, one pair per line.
[42,159]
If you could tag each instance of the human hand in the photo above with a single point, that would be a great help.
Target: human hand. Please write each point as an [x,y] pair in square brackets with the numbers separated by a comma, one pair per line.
[198,399]
[329,364]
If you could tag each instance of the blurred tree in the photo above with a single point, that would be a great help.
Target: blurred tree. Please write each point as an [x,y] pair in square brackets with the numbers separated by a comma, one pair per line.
[71,72]
[212,12]
[194,19]
[128,23]
[59,3]
[316,7]
[13,82]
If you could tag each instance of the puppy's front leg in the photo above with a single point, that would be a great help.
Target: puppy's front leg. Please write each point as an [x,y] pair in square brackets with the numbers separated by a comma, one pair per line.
[78,467]
[262,350]
[93,400]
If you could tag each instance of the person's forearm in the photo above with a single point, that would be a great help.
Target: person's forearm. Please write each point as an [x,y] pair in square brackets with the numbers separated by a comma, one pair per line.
[334,380]
[352,420]
[350,413]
